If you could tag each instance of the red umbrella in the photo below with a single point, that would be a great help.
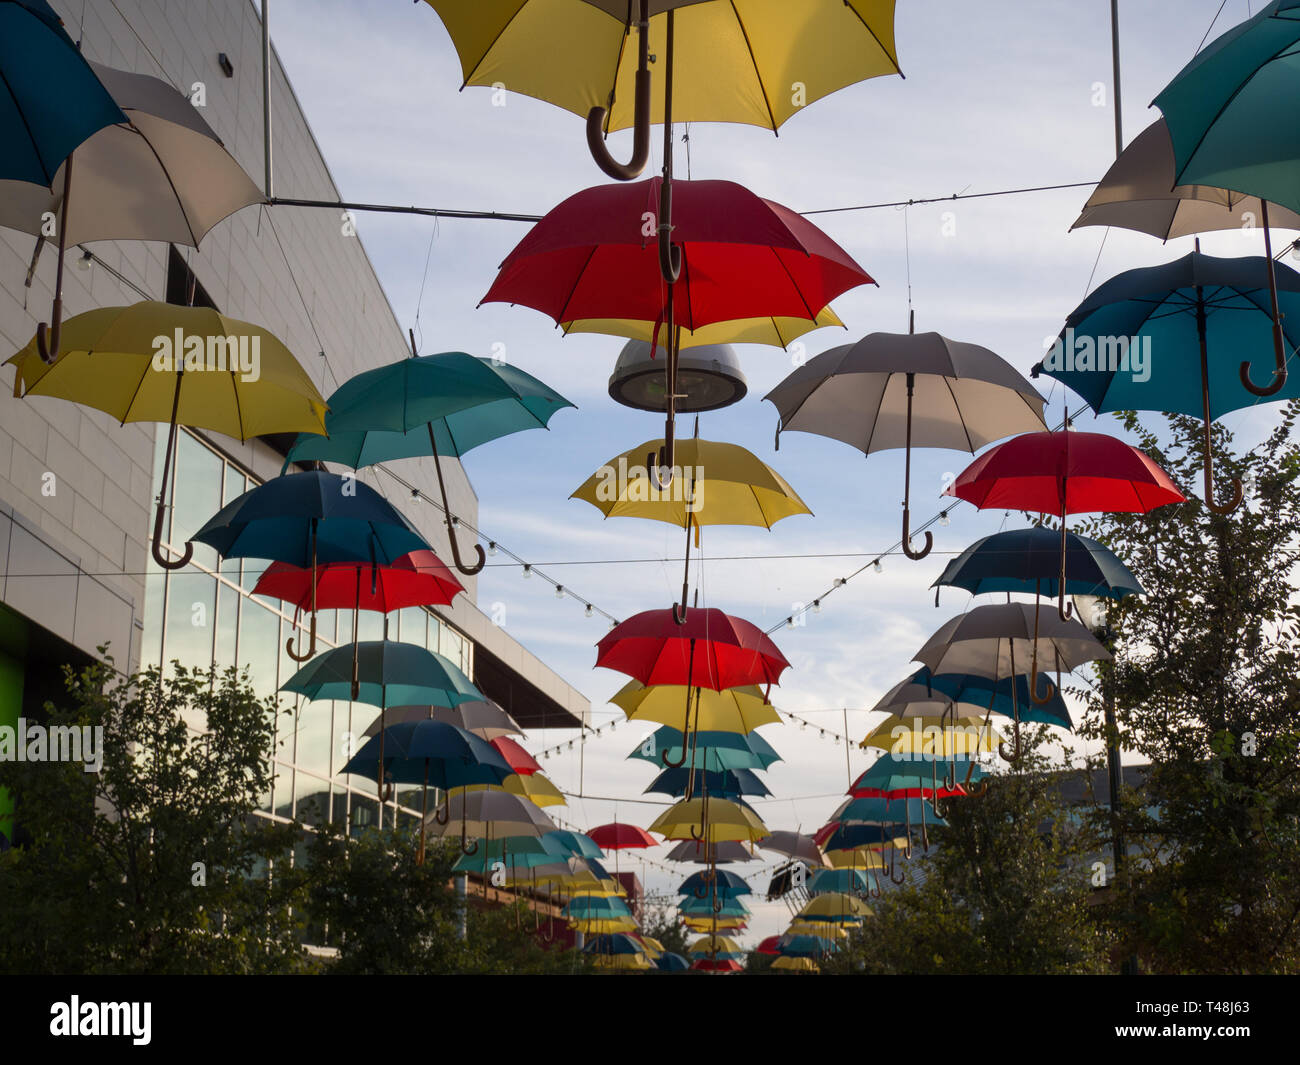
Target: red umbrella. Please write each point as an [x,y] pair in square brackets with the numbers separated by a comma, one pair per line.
[771,945]
[617,836]
[419,578]
[1065,473]
[516,757]
[718,965]
[597,256]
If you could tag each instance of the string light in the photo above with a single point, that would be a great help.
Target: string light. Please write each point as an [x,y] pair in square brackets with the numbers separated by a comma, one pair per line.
[492,547]
[589,611]
[944,520]
[528,571]
[877,566]
[559,591]
[817,606]
[455,522]
[415,495]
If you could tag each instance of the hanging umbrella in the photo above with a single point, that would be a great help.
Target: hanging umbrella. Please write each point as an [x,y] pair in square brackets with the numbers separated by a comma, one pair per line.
[699,853]
[51,100]
[704,909]
[537,787]
[889,778]
[1009,696]
[792,964]
[232,377]
[613,943]
[838,881]
[725,819]
[777,332]
[483,717]
[433,405]
[879,811]
[794,845]
[1065,473]
[727,784]
[740,257]
[943,735]
[730,710]
[520,760]
[669,962]
[579,843]
[713,752]
[1029,560]
[805,946]
[721,484]
[488,814]
[863,394]
[723,882]
[716,946]
[617,836]
[1224,113]
[860,836]
[417,579]
[836,907]
[1199,305]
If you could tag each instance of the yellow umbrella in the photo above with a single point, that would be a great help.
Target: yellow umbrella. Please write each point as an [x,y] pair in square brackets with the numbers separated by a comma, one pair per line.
[535,787]
[722,820]
[837,905]
[734,710]
[862,858]
[653,948]
[158,362]
[631,962]
[718,922]
[817,928]
[776,332]
[796,965]
[715,945]
[946,736]
[599,925]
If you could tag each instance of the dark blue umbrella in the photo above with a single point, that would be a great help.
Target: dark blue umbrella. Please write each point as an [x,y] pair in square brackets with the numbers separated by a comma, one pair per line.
[987,694]
[50,99]
[667,962]
[1171,338]
[874,810]
[726,884]
[804,946]
[310,519]
[731,784]
[853,836]
[613,943]
[1029,560]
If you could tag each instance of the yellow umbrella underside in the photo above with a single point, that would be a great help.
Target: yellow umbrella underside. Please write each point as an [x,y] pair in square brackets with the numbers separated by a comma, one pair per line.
[932,735]
[714,945]
[862,858]
[734,710]
[628,962]
[774,332]
[756,62]
[796,965]
[238,378]
[812,928]
[707,924]
[721,484]
[540,792]
[727,821]
[600,925]
[835,904]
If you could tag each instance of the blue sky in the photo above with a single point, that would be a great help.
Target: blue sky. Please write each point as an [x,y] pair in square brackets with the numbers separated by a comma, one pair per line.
[997,95]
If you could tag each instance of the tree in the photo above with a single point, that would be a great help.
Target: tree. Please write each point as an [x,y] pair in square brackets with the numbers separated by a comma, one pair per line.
[1206,686]
[148,865]
[660,920]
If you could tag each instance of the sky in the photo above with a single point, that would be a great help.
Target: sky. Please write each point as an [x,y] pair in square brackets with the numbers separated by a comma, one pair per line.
[997,95]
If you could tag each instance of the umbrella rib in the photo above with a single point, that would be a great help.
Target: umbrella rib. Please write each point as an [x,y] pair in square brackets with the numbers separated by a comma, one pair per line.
[812,315]
[893,62]
[960,416]
[577,281]
[494,42]
[758,77]
[131,127]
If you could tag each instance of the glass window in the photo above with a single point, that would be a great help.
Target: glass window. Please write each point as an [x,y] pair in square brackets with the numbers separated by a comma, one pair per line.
[259,645]
[412,625]
[155,590]
[313,721]
[197,495]
[226,625]
[451,645]
[311,798]
[191,618]
[235,485]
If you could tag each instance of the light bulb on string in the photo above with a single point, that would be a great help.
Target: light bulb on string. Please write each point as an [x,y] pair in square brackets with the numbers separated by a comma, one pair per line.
[528,571]
[877,566]
[492,547]
[944,520]
[559,591]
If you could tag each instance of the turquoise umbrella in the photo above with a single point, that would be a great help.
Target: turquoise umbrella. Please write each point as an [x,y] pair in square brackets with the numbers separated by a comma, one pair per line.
[429,405]
[838,881]
[714,752]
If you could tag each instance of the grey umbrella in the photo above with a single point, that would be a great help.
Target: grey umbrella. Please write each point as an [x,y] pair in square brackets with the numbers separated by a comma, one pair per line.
[864,394]
[165,176]
[795,845]
[483,718]
[722,853]
[1138,193]
[985,641]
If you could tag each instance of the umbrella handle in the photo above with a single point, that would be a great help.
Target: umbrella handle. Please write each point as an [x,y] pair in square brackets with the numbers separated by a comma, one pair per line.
[1279,380]
[1279,350]
[663,757]
[670,254]
[698,837]
[47,342]
[311,647]
[900,878]
[1017,747]
[979,792]
[443,813]
[915,556]
[160,509]
[641,112]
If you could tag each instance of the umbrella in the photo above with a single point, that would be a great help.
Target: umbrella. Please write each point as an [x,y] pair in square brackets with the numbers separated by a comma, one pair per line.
[790,964]
[535,786]
[774,331]
[714,946]
[805,946]
[721,484]
[879,811]
[482,717]
[222,374]
[579,843]
[840,881]
[669,962]
[835,906]
[890,778]
[723,853]
[1225,115]
[433,405]
[483,814]
[768,945]
[984,641]
[417,579]
[52,100]
[864,393]
[842,837]
[726,784]
[1009,696]
[428,752]
[794,845]
[520,760]
[723,882]
[1198,303]
[617,836]
[945,734]
[714,752]
[615,943]
[740,257]
[1065,473]
[740,709]
[1029,560]
[724,819]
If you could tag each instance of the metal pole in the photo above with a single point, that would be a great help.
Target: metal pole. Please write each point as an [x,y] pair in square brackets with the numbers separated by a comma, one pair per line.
[1114,60]
[269,187]
[462,905]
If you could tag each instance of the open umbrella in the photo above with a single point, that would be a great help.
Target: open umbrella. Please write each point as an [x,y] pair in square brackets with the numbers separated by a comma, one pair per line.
[740,709]
[726,784]
[864,394]
[725,819]
[709,752]
[839,881]
[723,882]
[519,760]
[483,717]
[794,845]
[1199,305]
[772,330]
[429,405]
[223,374]
[699,853]
[1008,696]
[486,815]
[617,836]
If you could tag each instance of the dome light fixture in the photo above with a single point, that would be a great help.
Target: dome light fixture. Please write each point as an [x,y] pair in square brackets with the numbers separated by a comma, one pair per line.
[708,378]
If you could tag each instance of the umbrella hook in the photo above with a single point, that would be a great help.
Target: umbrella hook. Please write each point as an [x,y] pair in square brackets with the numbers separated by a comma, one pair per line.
[47,341]
[686,723]
[641,111]
[443,813]
[1279,351]
[1064,609]
[311,648]
[900,878]
[465,847]
[161,509]
[1017,747]
[469,571]
[1237,491]
[907,487]
[1033,665]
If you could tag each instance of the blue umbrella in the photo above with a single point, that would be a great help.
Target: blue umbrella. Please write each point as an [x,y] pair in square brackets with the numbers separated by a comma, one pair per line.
[731,784]
[839,881]
[310,519]
[1139,333]
[613,943]
[577,843]
[1029,560]
[668,962]
[986,694]
[875,810]
[714,751]
[726,884]
[50,99]
[847,837]
[429,405]
[804,946]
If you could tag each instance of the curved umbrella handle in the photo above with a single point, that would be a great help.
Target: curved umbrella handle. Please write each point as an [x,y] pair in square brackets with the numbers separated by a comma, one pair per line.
[916,556]
[311,647]
[1033,688]
[979,792]
[1279,348]
[698,837]
[1017,747]
[670,254]
[47,343]
[663,461]
[443,813]
[155,545]
[640,110]
[663,757]
[1279,380]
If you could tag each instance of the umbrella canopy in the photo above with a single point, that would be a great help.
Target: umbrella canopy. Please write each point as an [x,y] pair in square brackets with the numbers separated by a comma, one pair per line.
[1029,560]
[938,735]
[1225,109]
[890,778]
[699,853]
[840,837]
[711,650]
[712,751]
[794,845]
[740,709]
[536,787]
[159,173]
[805,946]
[432,753]
[615,943]
[835,906]
[768,945]
[903,389]
[841,881]
[1008,696]
[881,811]
[578,843]
[791,964]
[520,761]
[729,485]
[617,836]
[732,61]
[391,674]
[721,881]
[51,100]
[669,962]
[1139,192]
[483,717]
[776,332]
[721,946]
[417,579]
[703,909]
[489,814]
[729,784]
[724,819]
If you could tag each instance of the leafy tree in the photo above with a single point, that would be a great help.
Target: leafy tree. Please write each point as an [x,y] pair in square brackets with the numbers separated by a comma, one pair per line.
[147,866]
[1206,687]
[661,920]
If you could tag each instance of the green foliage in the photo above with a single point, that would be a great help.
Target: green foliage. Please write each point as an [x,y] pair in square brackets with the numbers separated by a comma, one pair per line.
[1206,686]
[661,920]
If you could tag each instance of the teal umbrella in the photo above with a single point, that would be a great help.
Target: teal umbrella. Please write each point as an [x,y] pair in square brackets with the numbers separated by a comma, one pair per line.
[427,405]
[1229,114]
[714,752]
